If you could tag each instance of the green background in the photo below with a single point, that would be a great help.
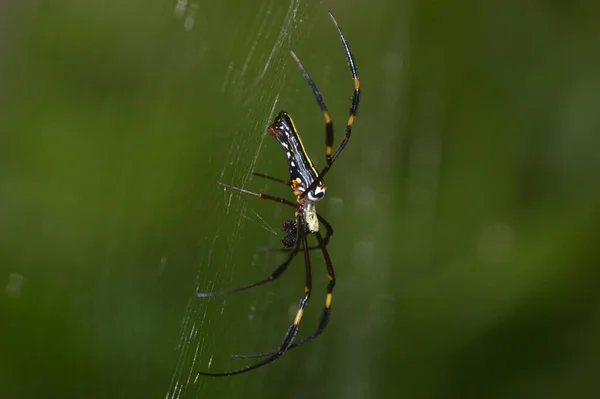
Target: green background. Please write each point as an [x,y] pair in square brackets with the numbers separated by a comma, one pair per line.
[466,205]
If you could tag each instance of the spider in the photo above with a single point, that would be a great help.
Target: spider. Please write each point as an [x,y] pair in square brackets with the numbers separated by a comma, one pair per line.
[309,188]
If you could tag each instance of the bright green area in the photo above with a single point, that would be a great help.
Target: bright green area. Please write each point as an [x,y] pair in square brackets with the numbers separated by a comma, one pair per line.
[466,205]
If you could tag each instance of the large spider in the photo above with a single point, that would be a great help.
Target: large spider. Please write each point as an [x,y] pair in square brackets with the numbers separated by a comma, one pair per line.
[308,187]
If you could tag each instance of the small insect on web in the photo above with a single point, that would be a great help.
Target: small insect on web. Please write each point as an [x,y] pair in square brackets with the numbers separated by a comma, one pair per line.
[309,188]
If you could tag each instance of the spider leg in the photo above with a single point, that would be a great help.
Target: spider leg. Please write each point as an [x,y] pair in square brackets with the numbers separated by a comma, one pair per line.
[259,195]
[280,269]
[286,182]
[351,117]
[322,106]
[274,276]
[355,94]
[324,320]
[293,328]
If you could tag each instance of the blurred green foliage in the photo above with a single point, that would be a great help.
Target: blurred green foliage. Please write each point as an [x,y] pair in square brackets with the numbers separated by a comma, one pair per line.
[466,205]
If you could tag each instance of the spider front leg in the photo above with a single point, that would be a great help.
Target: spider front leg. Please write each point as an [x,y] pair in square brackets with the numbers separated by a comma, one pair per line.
[292,331]
[351,114]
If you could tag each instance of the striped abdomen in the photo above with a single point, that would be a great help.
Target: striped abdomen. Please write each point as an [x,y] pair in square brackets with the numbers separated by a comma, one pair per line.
[302,170]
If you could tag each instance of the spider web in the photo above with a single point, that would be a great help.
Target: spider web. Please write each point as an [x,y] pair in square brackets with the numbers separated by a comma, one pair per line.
[274,27]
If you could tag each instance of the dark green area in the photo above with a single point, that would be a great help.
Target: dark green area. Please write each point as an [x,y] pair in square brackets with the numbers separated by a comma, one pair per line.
[466,205]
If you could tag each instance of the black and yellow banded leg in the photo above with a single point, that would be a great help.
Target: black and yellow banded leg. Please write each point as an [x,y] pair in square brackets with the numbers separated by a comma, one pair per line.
[324,320]
[351,117]
[328,298]
[322,106]
[355,94]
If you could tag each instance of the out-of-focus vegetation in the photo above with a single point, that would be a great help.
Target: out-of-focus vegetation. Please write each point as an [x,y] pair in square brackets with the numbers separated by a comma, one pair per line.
[466,205]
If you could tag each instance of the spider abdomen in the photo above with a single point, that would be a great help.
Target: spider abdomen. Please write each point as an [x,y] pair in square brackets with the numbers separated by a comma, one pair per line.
[301,168]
